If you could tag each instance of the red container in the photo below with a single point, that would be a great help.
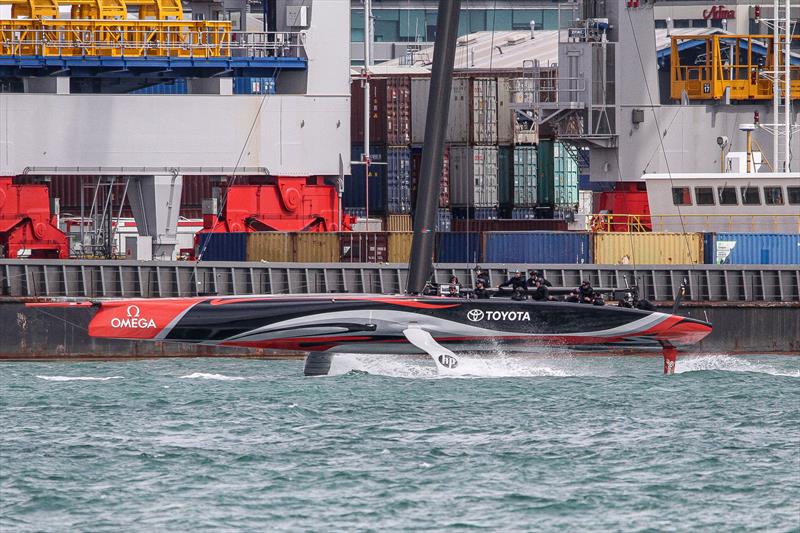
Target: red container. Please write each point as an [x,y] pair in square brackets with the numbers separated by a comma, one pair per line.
[444,190]
[542,224]
[398,111]
[363,247]
[378,112]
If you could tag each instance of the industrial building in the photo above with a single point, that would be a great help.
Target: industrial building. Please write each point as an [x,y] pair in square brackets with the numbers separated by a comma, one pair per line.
[251,117]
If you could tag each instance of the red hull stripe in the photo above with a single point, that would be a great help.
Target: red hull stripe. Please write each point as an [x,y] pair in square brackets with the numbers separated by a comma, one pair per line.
[137,319]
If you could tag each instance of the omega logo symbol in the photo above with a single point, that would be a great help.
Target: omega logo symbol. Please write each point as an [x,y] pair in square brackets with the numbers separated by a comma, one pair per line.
[475,315]
[133,311]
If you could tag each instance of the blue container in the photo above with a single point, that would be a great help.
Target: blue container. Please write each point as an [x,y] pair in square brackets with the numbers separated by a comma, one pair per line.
[177,86]
[552,247]
[485,213]
[398,180]
[523,213]
[354,194]
[444,221]
[253,85]
[458,247]
[222,246]
[751,248]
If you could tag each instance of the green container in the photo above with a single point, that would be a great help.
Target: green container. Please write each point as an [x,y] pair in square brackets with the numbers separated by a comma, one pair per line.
[545,187]
[505,175]
[525,176]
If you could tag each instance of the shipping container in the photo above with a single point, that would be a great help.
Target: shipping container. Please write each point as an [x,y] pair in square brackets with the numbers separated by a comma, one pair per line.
[540,224]
[253,85]
[483,117]
[400,247]
[444,186]
[364,247]
[557,182]
[565,176]
[485,213]
[377,110]
[398,110]
[177,86]
[316,247]
[458,122]
[221,246]
[525,176]
[752,249]
[473,176]
[537,247]
[355,194]
[458,247]
[505,175]
[444,220]
[398,180]
[648,248]
[523,213]
[505,114]
[270,246]
[399,223]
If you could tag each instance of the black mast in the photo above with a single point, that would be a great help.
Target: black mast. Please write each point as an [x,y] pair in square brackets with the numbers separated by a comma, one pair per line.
[444,52]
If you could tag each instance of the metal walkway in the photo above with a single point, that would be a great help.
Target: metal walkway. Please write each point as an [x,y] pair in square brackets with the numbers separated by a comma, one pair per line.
[112,279]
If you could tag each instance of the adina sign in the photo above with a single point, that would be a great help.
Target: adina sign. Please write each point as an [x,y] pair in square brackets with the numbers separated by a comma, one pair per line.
[718,13]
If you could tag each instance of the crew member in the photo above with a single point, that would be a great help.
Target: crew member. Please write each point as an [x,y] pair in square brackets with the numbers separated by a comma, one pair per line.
[480,275]
[453,291]
[517,284]
[540,291]
[573,297]
[535,275]
[480,291]
[586,292]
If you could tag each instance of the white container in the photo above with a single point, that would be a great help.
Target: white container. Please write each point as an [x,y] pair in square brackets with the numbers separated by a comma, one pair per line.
[473,176]
[484,111]
[458,122]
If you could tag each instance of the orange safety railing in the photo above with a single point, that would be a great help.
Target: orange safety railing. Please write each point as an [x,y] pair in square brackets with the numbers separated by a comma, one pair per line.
[729,64]
[755,223]
[140,38]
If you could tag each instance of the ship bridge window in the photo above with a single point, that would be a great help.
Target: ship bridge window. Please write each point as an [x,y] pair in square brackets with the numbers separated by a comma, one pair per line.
[704,195]
[681,196]
[773,195]
[751,196]
[727,196]
[794,195]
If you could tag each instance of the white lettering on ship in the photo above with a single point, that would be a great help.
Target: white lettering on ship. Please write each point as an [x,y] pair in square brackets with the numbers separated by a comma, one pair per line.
[476,315]
[133,320]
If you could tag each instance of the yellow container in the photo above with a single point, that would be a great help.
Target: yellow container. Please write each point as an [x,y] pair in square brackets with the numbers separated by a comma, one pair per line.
[316,247]
[399,223]
[399,245]
[270,246]
[648,248]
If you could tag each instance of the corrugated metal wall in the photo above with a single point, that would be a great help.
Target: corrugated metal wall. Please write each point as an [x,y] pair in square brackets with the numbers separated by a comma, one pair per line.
[400,247]
[270,247]
[648,248]
[222,246]
[525,176]
[537,247]
[458,247]
[752,249]
[398,179]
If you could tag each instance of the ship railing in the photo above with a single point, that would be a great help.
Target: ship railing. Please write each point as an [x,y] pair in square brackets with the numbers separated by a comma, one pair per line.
[752,223]
[142,38]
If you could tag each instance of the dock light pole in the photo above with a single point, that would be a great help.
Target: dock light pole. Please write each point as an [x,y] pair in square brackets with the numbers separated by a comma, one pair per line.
[444,53]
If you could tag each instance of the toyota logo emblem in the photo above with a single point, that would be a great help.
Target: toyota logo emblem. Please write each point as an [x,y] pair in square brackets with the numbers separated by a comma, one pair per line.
[475,315]
[133,311]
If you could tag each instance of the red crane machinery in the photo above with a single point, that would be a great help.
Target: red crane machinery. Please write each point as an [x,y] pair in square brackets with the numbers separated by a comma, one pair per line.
[27,227]
[285,204]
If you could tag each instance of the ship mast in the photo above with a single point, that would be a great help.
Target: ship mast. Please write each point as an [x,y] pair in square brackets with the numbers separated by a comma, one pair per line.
[781,127]
[444,52]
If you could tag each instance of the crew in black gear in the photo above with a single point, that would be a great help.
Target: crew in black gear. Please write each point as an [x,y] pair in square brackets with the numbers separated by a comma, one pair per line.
[540,291]
[598,300]
[453,291]
[517,283]
[536,276]
[480,291]
[480,275]
[573,297]
[586,292]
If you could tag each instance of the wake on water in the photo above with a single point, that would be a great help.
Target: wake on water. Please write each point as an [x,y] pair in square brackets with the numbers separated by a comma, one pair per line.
[554,365]
[78,378]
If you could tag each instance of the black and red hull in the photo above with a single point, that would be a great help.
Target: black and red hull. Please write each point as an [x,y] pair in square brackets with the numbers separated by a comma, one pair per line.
[375,324]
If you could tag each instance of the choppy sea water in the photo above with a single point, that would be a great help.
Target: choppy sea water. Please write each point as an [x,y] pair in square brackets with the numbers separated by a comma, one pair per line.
[551,443]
